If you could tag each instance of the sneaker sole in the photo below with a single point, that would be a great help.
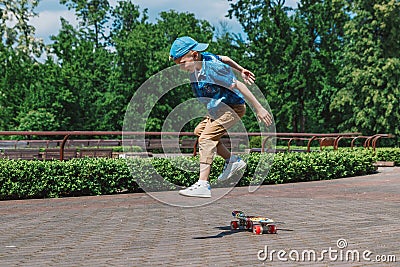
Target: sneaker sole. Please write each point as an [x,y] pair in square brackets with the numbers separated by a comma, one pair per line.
[234,172]
[188,195]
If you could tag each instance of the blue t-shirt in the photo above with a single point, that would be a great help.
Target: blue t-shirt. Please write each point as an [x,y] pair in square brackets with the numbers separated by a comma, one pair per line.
[214,83]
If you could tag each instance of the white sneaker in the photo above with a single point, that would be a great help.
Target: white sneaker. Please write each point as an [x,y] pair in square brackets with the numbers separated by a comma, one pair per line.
[197,190]
[234,165]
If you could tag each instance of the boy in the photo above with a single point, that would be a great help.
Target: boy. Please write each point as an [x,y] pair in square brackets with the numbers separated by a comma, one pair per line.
[215,85]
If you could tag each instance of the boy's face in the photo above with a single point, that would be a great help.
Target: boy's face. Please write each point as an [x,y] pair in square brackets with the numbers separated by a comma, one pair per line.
[187,61]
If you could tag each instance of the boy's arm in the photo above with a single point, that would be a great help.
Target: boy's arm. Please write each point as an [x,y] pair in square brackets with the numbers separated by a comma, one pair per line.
[262,113]
[247,75]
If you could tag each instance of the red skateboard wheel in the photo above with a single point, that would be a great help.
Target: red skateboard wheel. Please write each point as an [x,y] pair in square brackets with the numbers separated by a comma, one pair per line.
[234,225]
[257,229]
[272,229]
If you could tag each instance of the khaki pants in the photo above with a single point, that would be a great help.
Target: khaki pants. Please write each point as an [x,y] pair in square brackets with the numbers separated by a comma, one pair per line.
[210,131]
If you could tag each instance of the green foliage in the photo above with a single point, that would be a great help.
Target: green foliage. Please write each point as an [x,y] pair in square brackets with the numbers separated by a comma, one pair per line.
[19,35]
[301,167]
[389,154]
[93,15]
[324,66]
[268,27]
[37,179]
[21,179]
[37,120]
[255,141]
[368,99]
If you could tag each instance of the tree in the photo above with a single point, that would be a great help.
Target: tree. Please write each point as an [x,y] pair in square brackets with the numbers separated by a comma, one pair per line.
[37,120]
[84,74]
[318,29]
[94,15]
[294,54]
[20,34]
[368,100]
[18,50]
[228,43]
[270,45]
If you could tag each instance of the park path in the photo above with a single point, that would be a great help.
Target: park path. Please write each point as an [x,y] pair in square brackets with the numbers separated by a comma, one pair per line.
[361,213]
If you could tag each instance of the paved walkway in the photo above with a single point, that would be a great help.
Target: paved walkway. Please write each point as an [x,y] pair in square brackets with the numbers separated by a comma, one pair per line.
[136,230]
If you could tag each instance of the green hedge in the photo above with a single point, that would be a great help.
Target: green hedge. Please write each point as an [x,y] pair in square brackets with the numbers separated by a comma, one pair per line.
[301,167]
[20,179]
[389,154]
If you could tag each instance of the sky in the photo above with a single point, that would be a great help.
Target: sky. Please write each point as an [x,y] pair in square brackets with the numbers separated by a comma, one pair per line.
[50,11]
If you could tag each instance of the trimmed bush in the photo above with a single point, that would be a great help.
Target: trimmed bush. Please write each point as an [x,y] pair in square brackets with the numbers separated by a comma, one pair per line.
[20,179]
[388,154]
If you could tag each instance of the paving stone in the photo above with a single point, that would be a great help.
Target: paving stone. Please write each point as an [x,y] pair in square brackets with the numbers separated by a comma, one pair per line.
[138,230]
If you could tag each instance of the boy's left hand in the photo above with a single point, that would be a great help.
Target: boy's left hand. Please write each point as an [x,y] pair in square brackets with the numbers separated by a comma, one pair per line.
[264,116]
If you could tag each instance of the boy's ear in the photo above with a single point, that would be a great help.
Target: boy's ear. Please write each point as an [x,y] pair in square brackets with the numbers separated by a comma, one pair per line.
[195,55]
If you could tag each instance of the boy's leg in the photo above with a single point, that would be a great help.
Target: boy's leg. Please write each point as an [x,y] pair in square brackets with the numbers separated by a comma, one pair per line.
[210,132]
[200,127]
[233,164]
[202,187]
[239,111]
[205,170]
[223,151]
[214,130]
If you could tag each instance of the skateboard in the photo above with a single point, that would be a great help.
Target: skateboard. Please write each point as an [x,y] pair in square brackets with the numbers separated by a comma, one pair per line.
[257,224]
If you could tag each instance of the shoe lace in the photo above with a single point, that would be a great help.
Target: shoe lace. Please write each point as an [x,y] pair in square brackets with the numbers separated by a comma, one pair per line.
[194,186]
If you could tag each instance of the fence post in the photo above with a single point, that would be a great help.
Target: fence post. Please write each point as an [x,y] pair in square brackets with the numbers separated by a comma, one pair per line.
[62,146]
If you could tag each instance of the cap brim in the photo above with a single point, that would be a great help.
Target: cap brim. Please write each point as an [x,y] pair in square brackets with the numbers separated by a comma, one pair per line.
[200,47]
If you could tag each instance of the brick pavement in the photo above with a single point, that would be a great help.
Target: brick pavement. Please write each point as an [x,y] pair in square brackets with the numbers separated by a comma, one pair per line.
[137,230]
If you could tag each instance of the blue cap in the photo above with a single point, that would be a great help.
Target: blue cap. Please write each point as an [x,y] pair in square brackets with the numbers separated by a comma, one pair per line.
[183,45]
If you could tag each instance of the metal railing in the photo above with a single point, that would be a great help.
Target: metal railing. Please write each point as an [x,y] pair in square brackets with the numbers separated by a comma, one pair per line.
[370,141]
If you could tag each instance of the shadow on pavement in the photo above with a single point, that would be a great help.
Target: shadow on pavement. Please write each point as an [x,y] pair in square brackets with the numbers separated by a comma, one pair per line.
[227,231]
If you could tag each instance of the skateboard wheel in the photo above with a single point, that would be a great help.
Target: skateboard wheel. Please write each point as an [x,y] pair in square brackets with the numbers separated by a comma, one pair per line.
[249,225]
[257,229]
[234,225]
[272,229]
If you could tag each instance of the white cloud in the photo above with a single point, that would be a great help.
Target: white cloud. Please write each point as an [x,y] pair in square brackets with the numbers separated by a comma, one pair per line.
[291,3]
[212,10]
[49,22]
[205,9]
